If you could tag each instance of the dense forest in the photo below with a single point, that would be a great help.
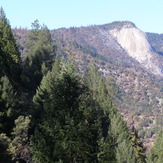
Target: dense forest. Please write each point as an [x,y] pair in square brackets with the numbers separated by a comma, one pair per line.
[52,113]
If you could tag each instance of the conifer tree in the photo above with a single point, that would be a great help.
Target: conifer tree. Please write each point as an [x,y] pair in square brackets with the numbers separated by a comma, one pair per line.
[65,110]
[124,152]
[115,131]
[69,119]
[156,153]
[137,144]
[40,54]
[9,106]
[10,55]
[19,144]
[4,154]
[117,139]
[56,99]
[97,85]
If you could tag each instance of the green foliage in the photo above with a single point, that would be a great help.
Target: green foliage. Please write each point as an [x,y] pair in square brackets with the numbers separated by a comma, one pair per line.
[40,54]
[118,128]
[156,153]
[4,143]
[70,123]
[119,134]
[10,56]
[9,106]
[138,146]
[124,153]
[115,134]
[19,147]
[97,85]
[60,125]
[117,147]
[112,89]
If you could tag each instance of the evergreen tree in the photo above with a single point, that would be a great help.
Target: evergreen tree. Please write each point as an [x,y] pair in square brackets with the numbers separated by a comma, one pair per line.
[113,90]
[124,152]
[40,54]
[117,140]
[69,120]
[19,145]
[115,132]
[10,56]
[137,144]
[9,106]
[4,154]
[156,153]
[96,84]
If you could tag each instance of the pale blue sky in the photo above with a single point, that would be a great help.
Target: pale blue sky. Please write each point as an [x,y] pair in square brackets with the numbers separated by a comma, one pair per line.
[146,14]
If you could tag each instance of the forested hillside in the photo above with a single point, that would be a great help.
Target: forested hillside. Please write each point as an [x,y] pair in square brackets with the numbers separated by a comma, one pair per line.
[60,101]
[157,42]
[138,92]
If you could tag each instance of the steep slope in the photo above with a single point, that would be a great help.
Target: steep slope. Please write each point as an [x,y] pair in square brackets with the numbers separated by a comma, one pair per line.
[156,40]
[122,52]
[122,40]
[98,41]
[135,42]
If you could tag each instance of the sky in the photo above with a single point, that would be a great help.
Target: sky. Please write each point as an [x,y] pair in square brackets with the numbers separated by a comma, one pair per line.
[146,14]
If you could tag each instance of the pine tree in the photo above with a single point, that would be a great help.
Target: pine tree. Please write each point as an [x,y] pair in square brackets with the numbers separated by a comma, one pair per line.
[69,120]
[124,153]
[56,99]
[74,122]
[4,154]
[10,56]
[115,135]
[156,153]
[137,144]
[40,54]
[9,106]
[118,139]
[19,145]
[96,84]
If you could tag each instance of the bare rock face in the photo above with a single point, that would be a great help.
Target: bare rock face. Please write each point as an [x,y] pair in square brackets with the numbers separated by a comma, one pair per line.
[135,42]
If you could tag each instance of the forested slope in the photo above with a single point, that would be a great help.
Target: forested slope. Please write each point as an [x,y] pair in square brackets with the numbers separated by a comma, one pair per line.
[138,92]
[59,101]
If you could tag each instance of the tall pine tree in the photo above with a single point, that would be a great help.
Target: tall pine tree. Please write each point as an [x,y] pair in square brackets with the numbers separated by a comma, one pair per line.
[40,55]
[137,144]
[69,120]
[10,56]
[9,106]
[115,133]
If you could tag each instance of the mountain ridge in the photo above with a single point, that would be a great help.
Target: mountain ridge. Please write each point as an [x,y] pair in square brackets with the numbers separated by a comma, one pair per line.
[135,42]
[148,58]
[139,90]
[134,79]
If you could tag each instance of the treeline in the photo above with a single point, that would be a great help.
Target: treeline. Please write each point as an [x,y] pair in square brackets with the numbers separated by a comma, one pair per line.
[50,114]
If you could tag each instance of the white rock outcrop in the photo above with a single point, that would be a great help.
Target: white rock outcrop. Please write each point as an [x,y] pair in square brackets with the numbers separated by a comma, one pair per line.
[135,42]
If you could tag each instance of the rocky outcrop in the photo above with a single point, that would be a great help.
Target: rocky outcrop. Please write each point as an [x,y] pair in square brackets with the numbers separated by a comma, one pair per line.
[135,42]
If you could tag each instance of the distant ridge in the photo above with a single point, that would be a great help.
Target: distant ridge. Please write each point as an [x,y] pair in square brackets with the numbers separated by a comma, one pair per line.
[120,38]
[129,57]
